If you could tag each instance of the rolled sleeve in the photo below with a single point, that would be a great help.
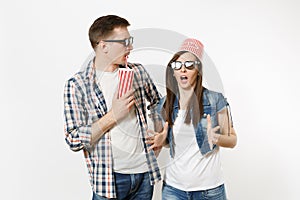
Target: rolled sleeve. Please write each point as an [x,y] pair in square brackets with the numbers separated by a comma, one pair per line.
[221,102]
[153,97]
[77,129]
[78,139]
[151,92]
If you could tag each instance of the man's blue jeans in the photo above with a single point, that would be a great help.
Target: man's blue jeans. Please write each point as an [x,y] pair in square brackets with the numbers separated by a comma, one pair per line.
[171,193]
[131,187]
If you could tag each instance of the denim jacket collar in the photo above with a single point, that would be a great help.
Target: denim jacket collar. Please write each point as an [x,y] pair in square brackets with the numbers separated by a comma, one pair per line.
[205,99]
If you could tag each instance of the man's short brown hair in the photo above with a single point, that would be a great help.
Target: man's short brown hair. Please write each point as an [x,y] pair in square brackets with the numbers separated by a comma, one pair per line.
[104,26]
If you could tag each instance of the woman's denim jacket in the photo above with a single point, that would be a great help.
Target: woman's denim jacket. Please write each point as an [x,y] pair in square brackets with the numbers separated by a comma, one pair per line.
[213,102]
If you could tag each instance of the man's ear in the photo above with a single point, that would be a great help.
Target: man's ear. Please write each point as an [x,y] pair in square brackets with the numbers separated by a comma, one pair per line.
[103,46]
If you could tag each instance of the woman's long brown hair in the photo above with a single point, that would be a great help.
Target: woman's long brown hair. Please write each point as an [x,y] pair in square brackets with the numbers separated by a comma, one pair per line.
[195,102]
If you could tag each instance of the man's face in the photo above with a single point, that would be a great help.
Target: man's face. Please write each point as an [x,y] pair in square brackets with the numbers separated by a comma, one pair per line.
[117,51]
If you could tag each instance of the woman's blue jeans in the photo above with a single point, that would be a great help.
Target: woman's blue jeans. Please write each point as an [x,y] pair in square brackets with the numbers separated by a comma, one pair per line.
[171,193]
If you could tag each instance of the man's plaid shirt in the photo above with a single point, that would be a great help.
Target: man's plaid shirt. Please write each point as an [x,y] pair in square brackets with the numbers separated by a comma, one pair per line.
[84,104]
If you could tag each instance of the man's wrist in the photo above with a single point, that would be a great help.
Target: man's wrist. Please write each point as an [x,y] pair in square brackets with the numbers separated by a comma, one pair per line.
[111,118]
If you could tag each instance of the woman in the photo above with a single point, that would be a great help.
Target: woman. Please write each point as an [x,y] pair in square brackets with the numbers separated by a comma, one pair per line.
[197,124]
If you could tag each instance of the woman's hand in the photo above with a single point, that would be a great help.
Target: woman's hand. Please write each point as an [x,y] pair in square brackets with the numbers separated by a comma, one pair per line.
[227,137]
[212,136]
[157,140]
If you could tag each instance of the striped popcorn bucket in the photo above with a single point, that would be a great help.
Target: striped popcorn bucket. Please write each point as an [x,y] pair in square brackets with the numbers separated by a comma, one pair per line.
[125,81]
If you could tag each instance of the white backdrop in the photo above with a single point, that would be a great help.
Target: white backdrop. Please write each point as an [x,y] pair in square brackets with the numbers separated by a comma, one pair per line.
[254,45]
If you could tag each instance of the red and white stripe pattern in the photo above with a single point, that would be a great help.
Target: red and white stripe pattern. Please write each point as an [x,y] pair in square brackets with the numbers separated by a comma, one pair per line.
[125,81]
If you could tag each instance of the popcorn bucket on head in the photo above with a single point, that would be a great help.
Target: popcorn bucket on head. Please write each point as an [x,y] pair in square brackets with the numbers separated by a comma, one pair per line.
[125,81]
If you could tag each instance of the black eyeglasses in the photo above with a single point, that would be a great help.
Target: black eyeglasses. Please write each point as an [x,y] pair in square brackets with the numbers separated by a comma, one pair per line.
[126,42]
[176,65]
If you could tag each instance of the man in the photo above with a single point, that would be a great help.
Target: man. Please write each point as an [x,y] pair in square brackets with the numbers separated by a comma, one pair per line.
[111,131]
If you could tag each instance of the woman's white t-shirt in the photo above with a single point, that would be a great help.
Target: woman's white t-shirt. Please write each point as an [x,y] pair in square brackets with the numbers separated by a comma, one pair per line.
[189,170]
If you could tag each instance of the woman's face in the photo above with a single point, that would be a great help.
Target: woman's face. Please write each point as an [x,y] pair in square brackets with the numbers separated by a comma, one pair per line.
[186,77]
